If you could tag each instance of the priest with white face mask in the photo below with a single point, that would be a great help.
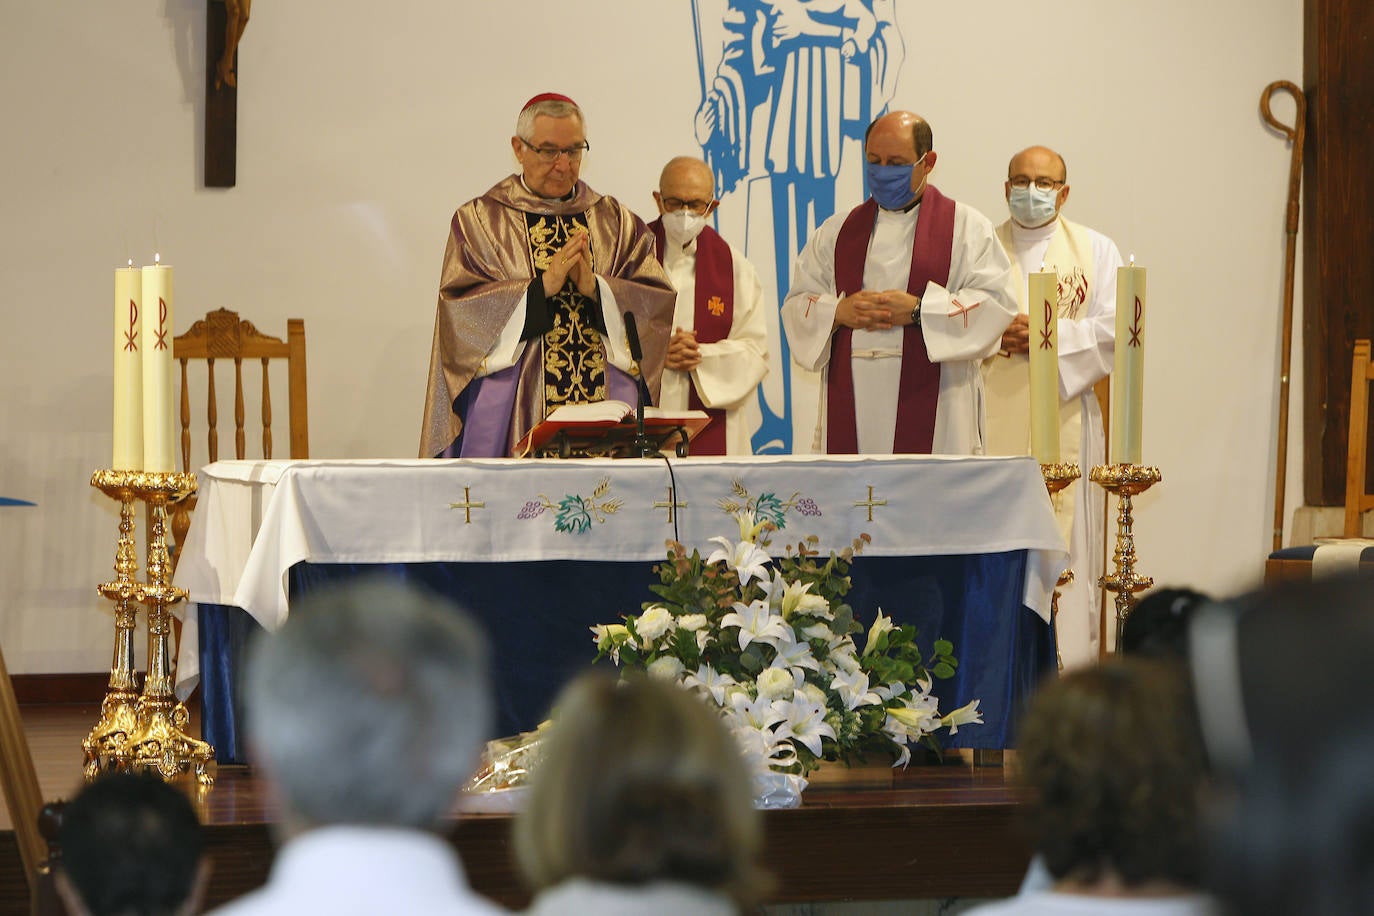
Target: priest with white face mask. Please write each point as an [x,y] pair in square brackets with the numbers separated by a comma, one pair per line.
[1086,262]
[718,352]
[895,302]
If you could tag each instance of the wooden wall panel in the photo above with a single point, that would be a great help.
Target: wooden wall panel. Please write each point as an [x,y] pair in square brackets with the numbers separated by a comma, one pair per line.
[1338,229]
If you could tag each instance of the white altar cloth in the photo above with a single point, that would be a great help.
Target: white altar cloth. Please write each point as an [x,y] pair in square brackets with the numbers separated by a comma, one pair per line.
[256,519]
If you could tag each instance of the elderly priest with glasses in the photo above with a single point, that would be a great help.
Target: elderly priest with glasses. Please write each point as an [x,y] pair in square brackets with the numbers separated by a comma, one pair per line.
[538,277]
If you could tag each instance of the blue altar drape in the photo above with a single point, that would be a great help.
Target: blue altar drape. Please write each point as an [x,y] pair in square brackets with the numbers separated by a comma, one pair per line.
[537,616]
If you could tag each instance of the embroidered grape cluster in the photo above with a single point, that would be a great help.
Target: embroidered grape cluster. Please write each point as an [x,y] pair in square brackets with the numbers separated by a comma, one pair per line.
[531,509]
[807,506]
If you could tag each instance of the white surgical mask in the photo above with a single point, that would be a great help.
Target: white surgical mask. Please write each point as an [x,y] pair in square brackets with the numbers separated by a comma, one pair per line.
[1032,207]
[680,227]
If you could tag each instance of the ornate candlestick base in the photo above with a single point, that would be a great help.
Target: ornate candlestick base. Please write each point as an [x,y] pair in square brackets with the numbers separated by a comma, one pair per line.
[1057,477]
[1125,480]
[159,741]
[104,746]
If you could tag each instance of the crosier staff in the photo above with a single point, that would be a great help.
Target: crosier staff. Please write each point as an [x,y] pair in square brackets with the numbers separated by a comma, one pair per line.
[1296,134]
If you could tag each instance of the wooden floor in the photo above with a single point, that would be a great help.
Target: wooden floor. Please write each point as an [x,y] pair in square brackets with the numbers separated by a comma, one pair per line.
[936,831]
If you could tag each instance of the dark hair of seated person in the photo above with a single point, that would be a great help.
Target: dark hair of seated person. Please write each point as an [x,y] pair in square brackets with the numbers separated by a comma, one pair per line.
[131,846]
[1158,626]
[1114,761]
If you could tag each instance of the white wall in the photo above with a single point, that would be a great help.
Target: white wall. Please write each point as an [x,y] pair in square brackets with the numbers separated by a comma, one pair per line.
[359,131]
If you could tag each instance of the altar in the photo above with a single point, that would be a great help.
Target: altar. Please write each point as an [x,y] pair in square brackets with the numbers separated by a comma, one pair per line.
[967,549]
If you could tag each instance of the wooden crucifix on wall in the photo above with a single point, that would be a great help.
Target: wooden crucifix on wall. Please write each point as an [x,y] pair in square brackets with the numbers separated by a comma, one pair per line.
[225,21]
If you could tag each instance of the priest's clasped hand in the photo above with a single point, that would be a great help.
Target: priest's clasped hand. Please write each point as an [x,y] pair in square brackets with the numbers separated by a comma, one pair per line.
[574,260]
[684,354]
[1016,338]
[875,310]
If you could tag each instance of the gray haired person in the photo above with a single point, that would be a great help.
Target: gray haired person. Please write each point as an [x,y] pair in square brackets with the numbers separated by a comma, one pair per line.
[366,712]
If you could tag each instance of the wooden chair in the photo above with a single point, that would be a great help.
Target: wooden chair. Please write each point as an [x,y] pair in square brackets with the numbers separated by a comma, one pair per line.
[19,782]
[222,335]
[1296,562]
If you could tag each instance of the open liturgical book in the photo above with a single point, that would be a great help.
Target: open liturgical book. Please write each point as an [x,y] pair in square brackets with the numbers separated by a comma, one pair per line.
[605,419]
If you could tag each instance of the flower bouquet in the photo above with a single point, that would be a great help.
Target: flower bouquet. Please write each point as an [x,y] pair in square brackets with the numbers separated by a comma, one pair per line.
[770,641]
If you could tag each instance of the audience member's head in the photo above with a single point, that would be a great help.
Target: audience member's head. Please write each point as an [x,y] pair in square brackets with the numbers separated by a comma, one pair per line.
[369,706]
[1115,764]
[1283,684]
[131,846]
[641,783]
[1158,626]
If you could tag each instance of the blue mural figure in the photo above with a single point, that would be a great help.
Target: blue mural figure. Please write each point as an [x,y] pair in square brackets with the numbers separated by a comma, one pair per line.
[802,76]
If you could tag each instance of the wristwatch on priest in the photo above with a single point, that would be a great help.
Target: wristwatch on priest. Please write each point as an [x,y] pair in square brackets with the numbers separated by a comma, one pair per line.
[916,311]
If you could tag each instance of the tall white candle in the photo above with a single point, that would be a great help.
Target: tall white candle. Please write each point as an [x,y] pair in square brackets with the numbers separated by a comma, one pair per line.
[128,370]
[1042,300]
[158,422]
[1128,376]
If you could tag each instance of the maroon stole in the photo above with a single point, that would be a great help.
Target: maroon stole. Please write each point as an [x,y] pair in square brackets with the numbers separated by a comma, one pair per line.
[920,379]
[713,314]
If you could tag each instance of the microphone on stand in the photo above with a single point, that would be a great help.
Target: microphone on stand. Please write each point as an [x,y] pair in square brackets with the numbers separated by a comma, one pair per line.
[642,447]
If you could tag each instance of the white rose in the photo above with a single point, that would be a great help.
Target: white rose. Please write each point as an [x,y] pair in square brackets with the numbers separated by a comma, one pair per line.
[776,684]
[653,623]
[665,668]
[692,622]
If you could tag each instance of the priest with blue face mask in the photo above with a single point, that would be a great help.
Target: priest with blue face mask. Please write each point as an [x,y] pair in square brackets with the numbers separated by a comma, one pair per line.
[895,303]
[1036,189]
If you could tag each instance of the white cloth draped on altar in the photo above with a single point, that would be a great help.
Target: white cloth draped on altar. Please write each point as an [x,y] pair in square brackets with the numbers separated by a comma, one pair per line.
[256,519]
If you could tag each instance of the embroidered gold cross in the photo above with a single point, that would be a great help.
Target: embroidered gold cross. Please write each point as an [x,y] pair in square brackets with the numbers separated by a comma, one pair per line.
[870,503]
[467,505]
[670,504]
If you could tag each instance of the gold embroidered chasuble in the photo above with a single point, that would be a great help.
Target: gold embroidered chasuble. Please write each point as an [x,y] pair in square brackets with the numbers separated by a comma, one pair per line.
[497,244]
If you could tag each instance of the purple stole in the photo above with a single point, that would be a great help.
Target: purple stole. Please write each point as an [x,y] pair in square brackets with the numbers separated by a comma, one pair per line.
[713,314]
[920,379]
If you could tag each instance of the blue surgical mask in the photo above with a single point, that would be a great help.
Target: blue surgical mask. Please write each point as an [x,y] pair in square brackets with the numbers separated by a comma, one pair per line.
[890,184]
[1032,207]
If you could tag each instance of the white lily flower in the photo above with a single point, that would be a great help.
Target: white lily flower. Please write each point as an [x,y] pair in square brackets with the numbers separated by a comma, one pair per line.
[610,637]
[746,558]
[843,659]
[711,681]
[704,639]
[918,721]
[812,693]
[880,626]
[756,623]
[749,530]
[665,668]
[890,691]
[964,715]
[818,631]
[853,690]
[653,623]
[794,655]
[804,721]
[757,713]
[776,684]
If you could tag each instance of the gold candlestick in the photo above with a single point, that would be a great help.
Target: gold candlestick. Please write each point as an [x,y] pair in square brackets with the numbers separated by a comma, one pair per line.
[1057,477]
[160,742]
[1125,480]
[104,746]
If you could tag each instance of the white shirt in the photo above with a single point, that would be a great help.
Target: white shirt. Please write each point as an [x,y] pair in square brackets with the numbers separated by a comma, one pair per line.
[344,870]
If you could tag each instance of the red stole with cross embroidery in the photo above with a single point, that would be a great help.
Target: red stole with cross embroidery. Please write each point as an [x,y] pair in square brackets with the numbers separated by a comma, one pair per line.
[919,388]
[713,314]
